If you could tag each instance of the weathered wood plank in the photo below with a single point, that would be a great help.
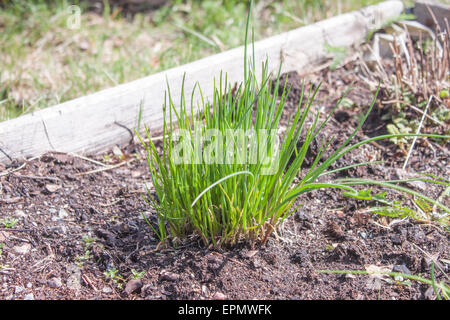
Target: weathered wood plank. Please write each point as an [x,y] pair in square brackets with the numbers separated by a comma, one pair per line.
[89,124]
[440,11]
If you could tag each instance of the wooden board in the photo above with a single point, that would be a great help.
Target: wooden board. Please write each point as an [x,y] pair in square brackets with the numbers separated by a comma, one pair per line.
[440,11]
[95,123]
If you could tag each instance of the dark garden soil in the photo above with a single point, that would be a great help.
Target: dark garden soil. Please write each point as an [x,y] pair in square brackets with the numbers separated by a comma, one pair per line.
[74,224]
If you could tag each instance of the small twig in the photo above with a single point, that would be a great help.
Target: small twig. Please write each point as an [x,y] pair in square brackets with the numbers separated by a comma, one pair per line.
[19,239]
[6,269]
[435,260]
[103,169]
[114,81]
[73,154]
[88,159]
[444,150]
[363,64]
[11,200]
[380,65]
[16,230]
[46,261]
[11,171]
[431,147]
[7,155]
[88,281]
[55,179]
[46,134]
[380,225]
[415,109]
[418,130]
[126,128]
[110,204]
[198,35]
[35,157]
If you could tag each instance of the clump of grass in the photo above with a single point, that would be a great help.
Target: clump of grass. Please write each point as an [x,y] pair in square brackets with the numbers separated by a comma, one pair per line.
[227,201]
[418,85]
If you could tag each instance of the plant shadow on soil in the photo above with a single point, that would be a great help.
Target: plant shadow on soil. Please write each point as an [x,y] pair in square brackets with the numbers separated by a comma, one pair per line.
[68,236]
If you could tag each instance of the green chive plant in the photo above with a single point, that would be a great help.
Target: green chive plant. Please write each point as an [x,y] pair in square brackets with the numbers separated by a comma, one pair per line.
[207,178]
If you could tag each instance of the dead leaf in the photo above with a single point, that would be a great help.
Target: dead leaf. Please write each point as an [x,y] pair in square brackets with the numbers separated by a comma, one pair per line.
[376,274]
[334,230]
[383,221]
[52,187]
[360,218]
[117,151]
[251,253]
[136,174]
[3,236]
[378,271]
[219,296]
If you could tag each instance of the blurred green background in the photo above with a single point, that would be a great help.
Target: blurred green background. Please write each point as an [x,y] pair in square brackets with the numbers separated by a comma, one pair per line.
[54,51]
